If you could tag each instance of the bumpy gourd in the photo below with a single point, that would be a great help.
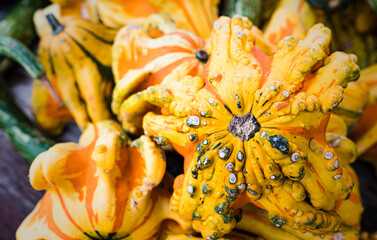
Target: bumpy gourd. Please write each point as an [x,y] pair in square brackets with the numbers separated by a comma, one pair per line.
[77,57]
[294,17]
[103,187]
[151,54]
[156,53]
[256,124]
[255,220]
[196,16]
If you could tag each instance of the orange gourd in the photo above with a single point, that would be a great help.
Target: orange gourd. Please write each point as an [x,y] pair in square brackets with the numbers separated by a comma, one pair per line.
[151,54]
[103,187]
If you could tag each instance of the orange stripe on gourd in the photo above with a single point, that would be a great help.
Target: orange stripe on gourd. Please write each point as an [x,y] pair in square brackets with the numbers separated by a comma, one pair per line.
[137,66]
[93,188]
[44,212]
[182,5]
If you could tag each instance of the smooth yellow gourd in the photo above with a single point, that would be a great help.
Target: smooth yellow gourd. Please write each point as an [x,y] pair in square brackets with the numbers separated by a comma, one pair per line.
[77,57]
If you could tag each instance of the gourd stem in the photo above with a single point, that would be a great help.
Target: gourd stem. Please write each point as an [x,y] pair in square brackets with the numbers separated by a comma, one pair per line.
[202,55]
[56,26]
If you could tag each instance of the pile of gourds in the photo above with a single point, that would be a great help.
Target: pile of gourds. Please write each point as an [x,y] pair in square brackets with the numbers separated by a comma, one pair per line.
[261,119]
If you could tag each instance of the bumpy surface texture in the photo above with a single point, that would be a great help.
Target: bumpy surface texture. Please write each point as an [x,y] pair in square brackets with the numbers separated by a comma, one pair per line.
[253,129]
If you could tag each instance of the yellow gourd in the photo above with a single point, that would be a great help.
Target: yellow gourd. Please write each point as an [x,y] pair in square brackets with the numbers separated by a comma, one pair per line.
[255,220]
[256,124]
[77,57]
[104,187]
[155,53]
[294,17]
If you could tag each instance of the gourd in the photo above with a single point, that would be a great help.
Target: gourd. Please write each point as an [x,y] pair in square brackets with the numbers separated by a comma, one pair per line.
[255,220]
[103,187]
[193,15]
[291,17]
[77,57]
[294,17]
[355,100]
[250,135]
[141,59]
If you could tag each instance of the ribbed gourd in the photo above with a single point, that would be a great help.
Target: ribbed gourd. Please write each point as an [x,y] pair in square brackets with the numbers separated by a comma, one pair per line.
[149,54]
[77,57]
[253,129]
[104,187]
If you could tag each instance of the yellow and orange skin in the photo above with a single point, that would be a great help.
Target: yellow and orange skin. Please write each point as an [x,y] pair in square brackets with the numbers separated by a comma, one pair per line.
[295,17]
[196,16]
[143,56]
[290,95]
[77,62]
[101,187]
